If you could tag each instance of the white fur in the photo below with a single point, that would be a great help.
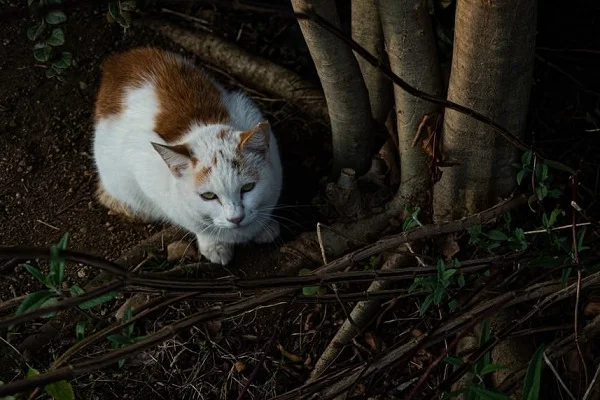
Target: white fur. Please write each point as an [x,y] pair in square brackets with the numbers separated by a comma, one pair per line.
[134,173]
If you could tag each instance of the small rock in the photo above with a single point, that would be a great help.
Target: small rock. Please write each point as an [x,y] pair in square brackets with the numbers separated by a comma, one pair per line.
[178,250]
[81,273]
[240,366]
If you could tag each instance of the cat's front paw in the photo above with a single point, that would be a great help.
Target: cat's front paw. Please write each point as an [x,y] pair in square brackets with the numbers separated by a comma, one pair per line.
[269,233]
[217,253]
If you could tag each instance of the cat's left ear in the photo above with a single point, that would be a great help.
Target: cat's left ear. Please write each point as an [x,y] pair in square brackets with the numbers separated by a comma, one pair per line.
[178,158]
[256,139]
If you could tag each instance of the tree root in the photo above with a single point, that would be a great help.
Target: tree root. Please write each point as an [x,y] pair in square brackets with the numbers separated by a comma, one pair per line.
[359,318]
[252,70]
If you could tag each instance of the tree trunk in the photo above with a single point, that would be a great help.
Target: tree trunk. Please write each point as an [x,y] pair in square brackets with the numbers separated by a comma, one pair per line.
[367,31]
[410,44]
[345,91]
[492,67]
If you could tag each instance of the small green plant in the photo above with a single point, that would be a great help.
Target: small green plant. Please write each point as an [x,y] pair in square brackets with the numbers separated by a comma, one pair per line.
[48,34]
[533,378]
[53,282]
[477,389]
[61,390]
[126,337]
[447,274]
[311,290]
[411,219]
[539,171]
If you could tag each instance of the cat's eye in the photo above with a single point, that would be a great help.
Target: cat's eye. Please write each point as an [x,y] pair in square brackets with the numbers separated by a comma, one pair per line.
[208,196]
[248,187]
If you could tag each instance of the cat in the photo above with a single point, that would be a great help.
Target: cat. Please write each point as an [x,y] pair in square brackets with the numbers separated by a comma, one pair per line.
[172,145]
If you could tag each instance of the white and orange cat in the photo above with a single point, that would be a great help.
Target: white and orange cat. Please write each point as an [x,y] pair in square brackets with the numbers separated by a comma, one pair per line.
[172,145]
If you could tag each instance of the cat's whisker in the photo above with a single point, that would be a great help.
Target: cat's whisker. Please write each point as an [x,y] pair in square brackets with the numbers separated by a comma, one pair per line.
[280,218]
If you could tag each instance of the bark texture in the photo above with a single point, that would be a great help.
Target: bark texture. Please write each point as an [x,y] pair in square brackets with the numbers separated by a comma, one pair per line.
[410,44]
[367,31]
[345,91]
[492,67]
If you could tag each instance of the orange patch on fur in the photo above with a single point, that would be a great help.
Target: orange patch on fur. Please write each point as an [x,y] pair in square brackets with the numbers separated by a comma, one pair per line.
[202,175]
[184,92]
[222,134]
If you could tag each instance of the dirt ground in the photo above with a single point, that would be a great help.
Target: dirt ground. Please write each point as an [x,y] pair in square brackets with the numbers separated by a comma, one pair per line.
[47,181]
[47,177]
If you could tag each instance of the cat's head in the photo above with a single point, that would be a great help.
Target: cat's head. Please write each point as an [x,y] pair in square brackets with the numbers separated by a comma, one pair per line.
[223,176]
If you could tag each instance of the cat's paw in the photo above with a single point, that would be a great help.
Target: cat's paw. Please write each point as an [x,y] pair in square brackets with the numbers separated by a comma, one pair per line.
[217,253]
[268,234]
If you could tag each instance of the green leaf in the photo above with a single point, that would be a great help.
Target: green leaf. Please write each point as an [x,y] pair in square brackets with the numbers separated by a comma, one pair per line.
[42,52]
[489,368]
[57,38]
[554,193]
[454,361]
[80,330]
[448,274]
[64,62]
[461,280]
[438,295]
[61,390]
[453,305]
[49,302]
[531,385]
[526,157]
[545,221]
[37,274]
[310,290]
[55,17]
[34,32]
[57,263]
[34,301]
[32,372]
[580,237]
[86,305]
[484,337]
[485,394]
[76,291]
[119,340]
[544,172]
[304,272]
[553,216]
[441,267]
[52,72]
[426,304]
[497,235]
[520,176]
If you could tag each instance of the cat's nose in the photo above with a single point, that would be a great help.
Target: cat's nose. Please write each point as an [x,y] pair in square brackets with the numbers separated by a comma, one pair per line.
[236,220]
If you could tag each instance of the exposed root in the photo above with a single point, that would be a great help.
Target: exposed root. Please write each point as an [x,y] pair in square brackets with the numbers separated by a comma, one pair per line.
[252,70]
[361,315]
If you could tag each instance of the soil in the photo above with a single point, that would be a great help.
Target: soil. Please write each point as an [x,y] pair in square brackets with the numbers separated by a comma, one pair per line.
[48,180]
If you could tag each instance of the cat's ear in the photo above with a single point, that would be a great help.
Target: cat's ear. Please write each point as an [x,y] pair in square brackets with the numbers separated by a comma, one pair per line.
[256,139]
[178,158]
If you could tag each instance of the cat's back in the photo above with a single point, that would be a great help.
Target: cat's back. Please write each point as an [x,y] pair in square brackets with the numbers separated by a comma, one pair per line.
[171,92]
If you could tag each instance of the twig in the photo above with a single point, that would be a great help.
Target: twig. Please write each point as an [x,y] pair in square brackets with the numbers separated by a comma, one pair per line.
[589,389]
[574,182]
[265,351]
[556,374]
